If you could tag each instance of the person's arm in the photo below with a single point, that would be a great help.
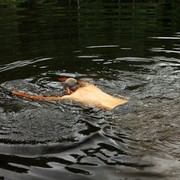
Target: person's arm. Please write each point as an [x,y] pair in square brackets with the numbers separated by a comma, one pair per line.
[41,98]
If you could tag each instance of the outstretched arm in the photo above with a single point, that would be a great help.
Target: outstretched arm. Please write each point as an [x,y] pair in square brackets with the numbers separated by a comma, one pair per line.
[41,98]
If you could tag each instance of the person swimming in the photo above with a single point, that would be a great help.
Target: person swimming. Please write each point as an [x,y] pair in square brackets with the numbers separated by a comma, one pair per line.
[82,92]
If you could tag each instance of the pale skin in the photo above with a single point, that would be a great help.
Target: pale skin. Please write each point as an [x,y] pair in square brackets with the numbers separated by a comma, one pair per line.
[88,95]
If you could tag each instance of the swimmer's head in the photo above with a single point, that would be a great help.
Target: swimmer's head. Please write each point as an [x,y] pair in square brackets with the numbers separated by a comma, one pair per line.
[71,85]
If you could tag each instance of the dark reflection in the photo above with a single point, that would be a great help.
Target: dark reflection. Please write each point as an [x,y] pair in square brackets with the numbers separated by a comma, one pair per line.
[129,49]
[60,31]
[78,171]
[11,163]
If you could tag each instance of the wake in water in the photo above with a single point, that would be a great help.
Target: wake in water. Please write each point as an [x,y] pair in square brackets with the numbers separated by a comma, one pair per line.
[138,140]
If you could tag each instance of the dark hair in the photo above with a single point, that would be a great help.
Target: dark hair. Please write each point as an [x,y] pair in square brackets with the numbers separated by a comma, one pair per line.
[72,84]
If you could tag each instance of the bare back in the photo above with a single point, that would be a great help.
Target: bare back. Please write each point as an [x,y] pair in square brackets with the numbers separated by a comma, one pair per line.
[91,95]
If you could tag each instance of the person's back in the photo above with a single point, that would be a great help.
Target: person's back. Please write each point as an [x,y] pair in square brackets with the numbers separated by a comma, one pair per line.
[91,95]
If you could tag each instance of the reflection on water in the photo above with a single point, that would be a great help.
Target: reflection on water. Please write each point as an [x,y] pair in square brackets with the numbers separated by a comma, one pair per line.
[129,49]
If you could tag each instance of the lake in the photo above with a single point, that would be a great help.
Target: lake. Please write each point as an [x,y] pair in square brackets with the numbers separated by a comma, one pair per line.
[129,49]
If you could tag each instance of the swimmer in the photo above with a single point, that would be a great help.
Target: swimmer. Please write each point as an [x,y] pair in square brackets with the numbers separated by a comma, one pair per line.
[82,92]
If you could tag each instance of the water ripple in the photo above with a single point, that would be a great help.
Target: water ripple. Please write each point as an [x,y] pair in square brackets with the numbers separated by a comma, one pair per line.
[166,38]
[102,46]
[19,64]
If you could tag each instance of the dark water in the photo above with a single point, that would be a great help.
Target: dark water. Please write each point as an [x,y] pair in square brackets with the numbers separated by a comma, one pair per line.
[129,49]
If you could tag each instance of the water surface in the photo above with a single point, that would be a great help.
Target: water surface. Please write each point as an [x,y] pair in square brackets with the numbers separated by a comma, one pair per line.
[128,49]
